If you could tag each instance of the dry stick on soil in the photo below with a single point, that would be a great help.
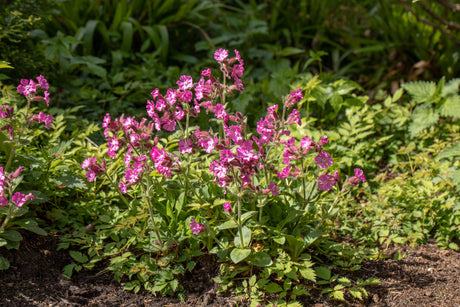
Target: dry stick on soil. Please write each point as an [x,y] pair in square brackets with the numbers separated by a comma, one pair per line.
[430,23]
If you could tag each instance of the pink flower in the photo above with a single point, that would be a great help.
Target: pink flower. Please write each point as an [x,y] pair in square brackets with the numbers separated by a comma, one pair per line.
[324,140]
[219,112]
[237,71]
[234,133]
[87,163]
[179,113]
[284,173]
[228,207]
[123,187]
[245,152]
[155,93]
[113,145]
[47,98]
[206,72]
[171,96]
[220,55]
[306,144]
[297,94]
[323,160]
[42,82]
[3,201]
[20,199]
[294,118]
[185,146]
[6,111]
[359,176]
[218,169]
[208,144]
[185,96]
[44,118]
[272,188]
[26,87]
[169,124]
[196,227]
[326,182]
[95,169]
[227,156]
[185,82]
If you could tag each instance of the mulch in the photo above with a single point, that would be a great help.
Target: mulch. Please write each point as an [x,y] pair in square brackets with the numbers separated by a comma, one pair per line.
[427,276]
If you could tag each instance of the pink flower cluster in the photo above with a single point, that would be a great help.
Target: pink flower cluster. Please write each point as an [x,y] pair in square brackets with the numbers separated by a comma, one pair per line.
[233,67]
[134,139]
[6,182]
[359,176]
[196,227]
[94,169]
[29,89]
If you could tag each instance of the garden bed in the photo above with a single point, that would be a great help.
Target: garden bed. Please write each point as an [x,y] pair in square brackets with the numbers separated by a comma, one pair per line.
[427,276]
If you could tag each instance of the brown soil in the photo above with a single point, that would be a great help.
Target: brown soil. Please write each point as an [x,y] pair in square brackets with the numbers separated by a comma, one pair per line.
[428,276]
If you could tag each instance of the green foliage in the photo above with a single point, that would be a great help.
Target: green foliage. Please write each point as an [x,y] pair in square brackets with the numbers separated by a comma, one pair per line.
[417,200]
[19,36]
[432,102]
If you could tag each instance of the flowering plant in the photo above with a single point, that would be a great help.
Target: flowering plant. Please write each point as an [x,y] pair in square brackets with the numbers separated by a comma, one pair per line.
[242,194]
[14,128]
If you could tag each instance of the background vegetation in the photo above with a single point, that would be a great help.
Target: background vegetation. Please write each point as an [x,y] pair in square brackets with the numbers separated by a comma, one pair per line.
[380,79]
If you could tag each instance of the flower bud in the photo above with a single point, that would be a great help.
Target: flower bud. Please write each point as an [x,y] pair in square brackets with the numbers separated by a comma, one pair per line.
[18,172]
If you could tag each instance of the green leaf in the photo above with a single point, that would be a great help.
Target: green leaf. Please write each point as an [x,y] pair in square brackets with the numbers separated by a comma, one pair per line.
[450,107]
[247,215]
[422,118]
[78,256]
[30,225]
[127,41]
[273,288]
[312,237]
[12,235]
[338,295]
[246,232]
[261,259]
[252,280]
[344,281]
[397,95]
[308,273]
[238,254]
[367,282]
[453,246]
[451,87]
[356,293]
[72,181]
[227,225]
[68,269]
[279,239]
[323,273]
[421,91]
[4,64]
[4,263]
[336,102]
[288,51]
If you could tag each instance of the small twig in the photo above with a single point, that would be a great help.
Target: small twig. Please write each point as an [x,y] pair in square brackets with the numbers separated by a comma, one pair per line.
[448,24]
[430,23]
[453,7]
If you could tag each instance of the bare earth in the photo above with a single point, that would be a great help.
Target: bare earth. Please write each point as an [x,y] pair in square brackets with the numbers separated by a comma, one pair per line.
[428,276]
